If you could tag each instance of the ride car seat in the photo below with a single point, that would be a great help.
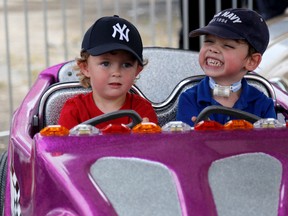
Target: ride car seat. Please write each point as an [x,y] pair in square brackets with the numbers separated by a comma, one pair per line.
[54,98]
[171,66]
[168,73]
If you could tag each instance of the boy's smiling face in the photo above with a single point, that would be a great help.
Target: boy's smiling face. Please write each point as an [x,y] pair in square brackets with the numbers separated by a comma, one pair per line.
[225,60]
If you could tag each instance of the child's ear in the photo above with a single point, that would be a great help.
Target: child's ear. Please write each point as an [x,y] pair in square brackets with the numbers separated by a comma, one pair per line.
[84,69]
[253,61]
[139,69]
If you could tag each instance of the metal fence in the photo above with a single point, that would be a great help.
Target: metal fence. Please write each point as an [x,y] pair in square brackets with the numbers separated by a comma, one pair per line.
[37,34]
[40,33]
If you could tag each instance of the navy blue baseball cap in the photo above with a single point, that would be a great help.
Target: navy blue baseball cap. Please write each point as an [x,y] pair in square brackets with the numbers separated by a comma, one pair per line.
[238,23]
[113,33]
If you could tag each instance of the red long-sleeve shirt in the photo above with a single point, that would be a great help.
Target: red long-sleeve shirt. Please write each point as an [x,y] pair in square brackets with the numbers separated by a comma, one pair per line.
[82,107]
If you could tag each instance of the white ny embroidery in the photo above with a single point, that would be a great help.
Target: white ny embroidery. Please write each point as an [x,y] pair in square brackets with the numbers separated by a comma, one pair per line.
[123,32]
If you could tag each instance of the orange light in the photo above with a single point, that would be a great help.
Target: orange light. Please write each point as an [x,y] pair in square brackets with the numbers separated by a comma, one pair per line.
[116,129]
[208,125]
[54,130]
[238,124]
[146,127]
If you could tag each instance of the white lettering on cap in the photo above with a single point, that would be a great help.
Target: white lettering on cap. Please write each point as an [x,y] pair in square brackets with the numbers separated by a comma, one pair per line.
[230,16]
[123,32]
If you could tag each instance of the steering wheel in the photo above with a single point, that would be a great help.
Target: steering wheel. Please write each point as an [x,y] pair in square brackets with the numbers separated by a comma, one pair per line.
[136,119]
[205,113]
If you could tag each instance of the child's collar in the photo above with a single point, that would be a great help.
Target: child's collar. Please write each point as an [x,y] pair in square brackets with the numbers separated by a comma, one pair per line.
[224,91]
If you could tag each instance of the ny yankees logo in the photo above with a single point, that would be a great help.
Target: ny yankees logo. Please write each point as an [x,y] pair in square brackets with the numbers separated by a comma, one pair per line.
[124,31]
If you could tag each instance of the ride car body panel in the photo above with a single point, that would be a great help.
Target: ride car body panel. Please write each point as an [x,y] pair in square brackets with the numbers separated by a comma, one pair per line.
[60,167]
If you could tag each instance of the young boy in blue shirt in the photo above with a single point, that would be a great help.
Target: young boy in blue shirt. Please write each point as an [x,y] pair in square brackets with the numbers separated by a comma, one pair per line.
[235,40]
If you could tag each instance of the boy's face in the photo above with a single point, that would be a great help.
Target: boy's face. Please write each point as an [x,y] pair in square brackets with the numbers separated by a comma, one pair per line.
[112,74]
[225,60]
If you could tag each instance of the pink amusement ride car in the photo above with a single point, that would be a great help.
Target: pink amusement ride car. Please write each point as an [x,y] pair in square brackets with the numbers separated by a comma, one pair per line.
[170,169]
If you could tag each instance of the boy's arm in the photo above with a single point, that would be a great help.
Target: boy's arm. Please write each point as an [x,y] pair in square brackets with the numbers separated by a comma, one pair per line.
[187,109]
[270,111]
[68,116]
[148,113]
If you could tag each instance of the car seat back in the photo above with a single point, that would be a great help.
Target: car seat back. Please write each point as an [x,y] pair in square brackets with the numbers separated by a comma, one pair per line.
[54,98]
[167,66]
[168,73]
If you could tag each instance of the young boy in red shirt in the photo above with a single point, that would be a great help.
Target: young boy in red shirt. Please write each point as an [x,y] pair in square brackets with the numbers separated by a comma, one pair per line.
[109,62]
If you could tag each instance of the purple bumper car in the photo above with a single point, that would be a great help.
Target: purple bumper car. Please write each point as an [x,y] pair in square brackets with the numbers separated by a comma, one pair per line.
[169,170]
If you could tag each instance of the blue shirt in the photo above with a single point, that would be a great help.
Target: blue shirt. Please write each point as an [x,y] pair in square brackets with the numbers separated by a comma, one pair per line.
[195,99]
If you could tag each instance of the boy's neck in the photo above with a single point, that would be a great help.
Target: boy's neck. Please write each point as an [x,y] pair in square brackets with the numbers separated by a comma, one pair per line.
[228,101]
[224,91]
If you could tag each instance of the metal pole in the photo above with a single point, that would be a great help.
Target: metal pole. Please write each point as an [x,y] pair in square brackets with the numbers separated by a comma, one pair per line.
[82,16]
[218,6]
[116,7]
[8,60]
[27,41]
[185,24]
[169,21]
[46,32]
[64,23]
[135,14]
[152,20]
[201,17]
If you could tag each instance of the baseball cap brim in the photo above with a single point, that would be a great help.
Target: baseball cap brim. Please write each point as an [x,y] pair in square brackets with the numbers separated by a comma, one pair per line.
[218,31]
[101,49]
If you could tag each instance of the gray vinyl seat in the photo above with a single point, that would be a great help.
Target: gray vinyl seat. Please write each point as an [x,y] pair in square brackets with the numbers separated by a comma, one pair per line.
[168,73]
[168,65]
[166,68]
[53,100]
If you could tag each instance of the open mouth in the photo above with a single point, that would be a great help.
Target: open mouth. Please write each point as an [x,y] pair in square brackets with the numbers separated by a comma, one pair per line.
[213,62]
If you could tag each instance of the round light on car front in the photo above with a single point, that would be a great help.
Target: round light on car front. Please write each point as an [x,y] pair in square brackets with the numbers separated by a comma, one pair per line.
[176,126]
[268,123]
[84,129]
[237,124]
[116,129]
[54,130]
[146,127]
[208,125]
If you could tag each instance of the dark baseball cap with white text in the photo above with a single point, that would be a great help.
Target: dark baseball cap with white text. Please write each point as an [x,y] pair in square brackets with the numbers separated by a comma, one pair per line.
[238,23]
[113,33]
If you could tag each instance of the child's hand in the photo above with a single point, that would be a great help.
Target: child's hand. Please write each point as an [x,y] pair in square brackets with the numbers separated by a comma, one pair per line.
[145,119]
[193,118]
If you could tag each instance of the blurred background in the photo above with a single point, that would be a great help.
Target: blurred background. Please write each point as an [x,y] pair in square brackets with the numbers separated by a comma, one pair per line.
[36,34]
